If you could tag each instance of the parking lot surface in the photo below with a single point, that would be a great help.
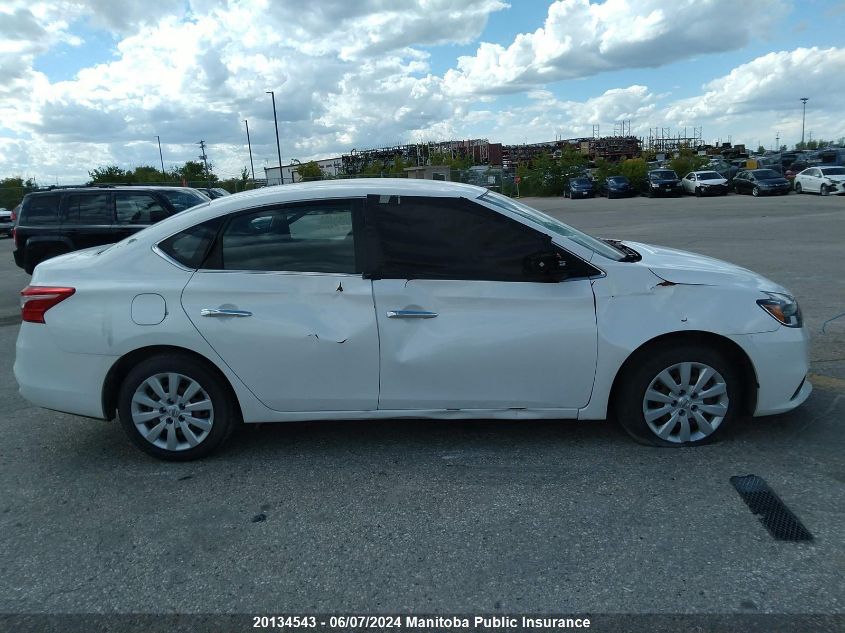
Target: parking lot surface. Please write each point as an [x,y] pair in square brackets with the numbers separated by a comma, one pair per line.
[422,516]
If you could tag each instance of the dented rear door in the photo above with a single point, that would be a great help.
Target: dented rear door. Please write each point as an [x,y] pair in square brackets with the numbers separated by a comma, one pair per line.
[283,305]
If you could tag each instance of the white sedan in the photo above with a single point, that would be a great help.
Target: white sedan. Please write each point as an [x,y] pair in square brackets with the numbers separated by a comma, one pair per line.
[821,180]
[366,299]
[705,183]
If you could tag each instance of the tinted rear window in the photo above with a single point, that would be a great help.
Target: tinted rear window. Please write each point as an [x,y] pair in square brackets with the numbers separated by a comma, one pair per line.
[190,247]
[40,210]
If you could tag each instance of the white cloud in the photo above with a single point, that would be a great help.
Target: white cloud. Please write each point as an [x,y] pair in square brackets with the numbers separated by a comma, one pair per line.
[580,38]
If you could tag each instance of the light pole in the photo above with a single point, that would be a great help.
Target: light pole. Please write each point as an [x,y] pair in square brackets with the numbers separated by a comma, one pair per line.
[160,155]
[249,145]
[278,147]
[803,115]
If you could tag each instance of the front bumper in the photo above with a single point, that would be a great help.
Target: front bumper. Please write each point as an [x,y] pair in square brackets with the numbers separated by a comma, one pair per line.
[666,190]
[781,361]
[576,193]
[713,190]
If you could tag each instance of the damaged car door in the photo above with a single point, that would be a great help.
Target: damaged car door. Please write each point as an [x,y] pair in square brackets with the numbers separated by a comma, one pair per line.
[476,310]
[282,300]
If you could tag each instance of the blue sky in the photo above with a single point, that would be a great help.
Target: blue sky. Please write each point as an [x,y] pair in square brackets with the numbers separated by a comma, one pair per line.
[89,83]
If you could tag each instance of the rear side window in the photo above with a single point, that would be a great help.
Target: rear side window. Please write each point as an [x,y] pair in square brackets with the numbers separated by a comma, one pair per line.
[39,210]
[191,246]
[315,237]
[90,208]
[138,208]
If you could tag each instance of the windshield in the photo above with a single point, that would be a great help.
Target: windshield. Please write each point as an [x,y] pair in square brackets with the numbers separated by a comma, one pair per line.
[834,171]
[709,175]
[665,174]
[548,222]
[619,180]
[580,181]
[763,174]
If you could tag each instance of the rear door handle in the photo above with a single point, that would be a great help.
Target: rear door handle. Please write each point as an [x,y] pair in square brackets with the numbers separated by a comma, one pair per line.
[216,312]
[410,314]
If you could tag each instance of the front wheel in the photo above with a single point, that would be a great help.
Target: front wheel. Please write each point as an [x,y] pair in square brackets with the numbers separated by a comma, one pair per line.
[755,192]
[175,408]
[823,190]
[698,192]
[798,188]
[678,396]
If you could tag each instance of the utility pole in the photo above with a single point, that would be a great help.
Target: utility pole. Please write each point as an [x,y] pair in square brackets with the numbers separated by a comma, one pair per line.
[249,145]
[777,142]
[804,101]
[160,155]
[205,160]
[278,147]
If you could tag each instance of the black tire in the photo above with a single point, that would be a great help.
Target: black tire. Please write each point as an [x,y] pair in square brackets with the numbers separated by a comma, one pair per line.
[798,188]
[823,190]
[631,390]
[755,192]
[225,415]
[698,192]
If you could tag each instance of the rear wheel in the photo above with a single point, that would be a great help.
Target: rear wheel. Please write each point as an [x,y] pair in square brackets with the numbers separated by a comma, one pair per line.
[175,408]
[678,396]
[798,188]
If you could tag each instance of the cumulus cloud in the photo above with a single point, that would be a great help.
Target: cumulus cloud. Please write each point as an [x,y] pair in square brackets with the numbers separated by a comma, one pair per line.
[580,38]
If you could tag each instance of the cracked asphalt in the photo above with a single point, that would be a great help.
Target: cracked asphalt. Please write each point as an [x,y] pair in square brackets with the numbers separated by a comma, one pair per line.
[438,517]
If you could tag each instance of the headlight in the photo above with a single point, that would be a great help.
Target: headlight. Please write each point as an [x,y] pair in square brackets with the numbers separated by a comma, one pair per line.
[783,308]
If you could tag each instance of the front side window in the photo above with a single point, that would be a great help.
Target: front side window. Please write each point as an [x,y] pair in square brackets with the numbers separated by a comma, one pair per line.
[138,208]
[314,237]
[414,237]
[88,208]
[534,216]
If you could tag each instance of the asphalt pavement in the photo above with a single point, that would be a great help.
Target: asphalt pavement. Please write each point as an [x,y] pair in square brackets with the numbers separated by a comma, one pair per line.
[438,517]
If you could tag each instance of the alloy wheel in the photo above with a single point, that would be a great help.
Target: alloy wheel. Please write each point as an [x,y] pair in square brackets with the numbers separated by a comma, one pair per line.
[172,411]
[685,402]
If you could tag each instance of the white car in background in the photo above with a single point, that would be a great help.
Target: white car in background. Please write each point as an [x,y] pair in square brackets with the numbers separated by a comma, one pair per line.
[705,183]
[366,299]
[821,180]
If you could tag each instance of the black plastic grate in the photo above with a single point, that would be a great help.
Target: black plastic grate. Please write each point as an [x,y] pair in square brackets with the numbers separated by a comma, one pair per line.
[773,513]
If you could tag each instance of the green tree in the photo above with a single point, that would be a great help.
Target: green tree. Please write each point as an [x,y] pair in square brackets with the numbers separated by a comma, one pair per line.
[310,171]
[12,191]
[635,170]
[687,161]
[193,173]
[110,174]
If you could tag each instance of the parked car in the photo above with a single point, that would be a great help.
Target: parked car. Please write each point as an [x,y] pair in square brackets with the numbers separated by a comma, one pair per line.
[579,188]
[760,182]
[821,180]
[388,298]
[6,222]
[662,182]
[705,183]
[58,221]
[617,187]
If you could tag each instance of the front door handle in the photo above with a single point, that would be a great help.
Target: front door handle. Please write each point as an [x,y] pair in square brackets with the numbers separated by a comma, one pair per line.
[410,314]
[216,312]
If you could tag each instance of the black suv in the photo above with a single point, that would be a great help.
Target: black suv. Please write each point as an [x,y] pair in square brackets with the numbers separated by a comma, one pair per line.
[59,221]
[662,182]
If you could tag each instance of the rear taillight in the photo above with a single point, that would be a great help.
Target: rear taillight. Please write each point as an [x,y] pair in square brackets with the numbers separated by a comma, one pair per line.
[36,300]
[14,217]
[15,236]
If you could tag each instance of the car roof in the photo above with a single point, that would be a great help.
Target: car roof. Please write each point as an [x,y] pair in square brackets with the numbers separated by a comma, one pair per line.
[356,187]
[55,190]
